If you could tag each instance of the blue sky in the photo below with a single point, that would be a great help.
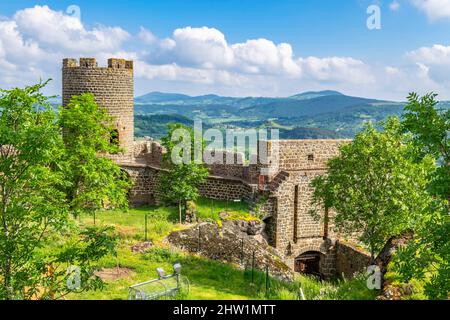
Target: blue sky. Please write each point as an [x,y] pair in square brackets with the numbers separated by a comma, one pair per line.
[230,47]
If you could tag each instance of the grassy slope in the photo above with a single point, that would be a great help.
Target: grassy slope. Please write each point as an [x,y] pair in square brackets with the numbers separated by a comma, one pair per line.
[209,279]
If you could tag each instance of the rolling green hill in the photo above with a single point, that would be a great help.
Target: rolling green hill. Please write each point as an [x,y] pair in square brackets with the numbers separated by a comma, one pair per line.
[322,114]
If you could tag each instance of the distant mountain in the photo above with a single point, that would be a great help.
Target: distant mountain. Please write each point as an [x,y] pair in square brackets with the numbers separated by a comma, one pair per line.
[155,126]
[315,94]
[158,97]
[313,114]
[321,114]
[181,99]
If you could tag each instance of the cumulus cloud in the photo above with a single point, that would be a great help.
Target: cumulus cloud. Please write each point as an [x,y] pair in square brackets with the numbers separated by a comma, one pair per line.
[207,48]
[435,60]
[34,40]
[60,31]
[434,9]
[335,69]
[200,60]
[146,36]
[437,54]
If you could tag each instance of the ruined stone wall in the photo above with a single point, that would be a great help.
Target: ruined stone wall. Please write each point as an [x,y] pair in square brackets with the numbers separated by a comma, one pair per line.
[151,152]
[229,189]
[306,226]
[112,87]
[294,155]
[144,190]
[297,231]
[350,259]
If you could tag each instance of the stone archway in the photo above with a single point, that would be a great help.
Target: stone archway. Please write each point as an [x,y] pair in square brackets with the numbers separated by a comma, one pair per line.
[315,257]
[309,263]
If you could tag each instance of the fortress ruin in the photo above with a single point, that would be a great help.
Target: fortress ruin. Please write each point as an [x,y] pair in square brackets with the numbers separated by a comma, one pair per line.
[285,194]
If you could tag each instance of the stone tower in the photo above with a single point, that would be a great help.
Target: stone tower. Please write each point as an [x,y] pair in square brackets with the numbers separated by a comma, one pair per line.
[112,87]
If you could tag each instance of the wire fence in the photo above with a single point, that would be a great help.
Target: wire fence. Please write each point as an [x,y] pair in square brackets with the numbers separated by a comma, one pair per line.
[137,225]
[259,267]
[256,263]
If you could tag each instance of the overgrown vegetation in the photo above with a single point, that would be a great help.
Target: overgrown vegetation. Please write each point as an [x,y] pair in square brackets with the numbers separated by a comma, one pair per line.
[391,181]
[427,258]
[209,279]
[180,183]
[43,183]
[375,187]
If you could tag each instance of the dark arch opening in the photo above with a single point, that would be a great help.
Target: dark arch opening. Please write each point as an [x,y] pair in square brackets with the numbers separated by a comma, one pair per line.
[309,263]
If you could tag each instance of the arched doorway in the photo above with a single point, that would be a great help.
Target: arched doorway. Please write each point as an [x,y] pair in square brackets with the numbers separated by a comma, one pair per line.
[308,263]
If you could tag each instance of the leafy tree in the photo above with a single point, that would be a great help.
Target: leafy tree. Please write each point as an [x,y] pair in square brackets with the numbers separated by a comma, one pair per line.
[180,182]
[33,206]
[96,181]
[374,186]
[431,130]
[428,257]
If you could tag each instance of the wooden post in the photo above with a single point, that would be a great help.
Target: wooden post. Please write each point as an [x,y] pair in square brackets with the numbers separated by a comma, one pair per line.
[146,239]
[198,248]
[242,251]
[253,266]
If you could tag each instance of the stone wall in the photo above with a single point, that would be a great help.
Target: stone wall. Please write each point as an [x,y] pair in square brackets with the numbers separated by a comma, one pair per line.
[112,87]
[230,189]
[296,230]
[144,190]
[294,221]
[350,259]
[231,243]
[296,155]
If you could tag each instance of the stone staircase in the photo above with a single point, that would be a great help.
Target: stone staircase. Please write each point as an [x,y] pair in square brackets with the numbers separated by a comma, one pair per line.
[278,180]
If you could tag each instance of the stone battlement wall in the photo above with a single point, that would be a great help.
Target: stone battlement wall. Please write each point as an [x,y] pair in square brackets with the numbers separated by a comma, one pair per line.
[151,152]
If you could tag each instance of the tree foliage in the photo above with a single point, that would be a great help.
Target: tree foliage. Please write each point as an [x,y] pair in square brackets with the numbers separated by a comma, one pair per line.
[180,182]
[36,199]
[374,186]
[431,130]
[428,257]
[96,181]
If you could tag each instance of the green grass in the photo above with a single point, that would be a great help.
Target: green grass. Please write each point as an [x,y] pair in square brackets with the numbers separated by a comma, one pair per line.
[210,209]
[209,279]
[131,224]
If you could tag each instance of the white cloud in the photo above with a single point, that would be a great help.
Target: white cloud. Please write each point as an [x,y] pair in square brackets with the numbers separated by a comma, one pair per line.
[435,60]
[434,9]
[394,5]
[435,55]
[262,55]
[56,30]
[201,60]
[202,47]
[207,48]
[146,36]
[336,69]
[34,40]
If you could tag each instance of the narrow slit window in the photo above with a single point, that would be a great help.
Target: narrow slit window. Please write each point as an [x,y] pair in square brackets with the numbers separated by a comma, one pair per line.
[114,137]
[295,235]
[310,157]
